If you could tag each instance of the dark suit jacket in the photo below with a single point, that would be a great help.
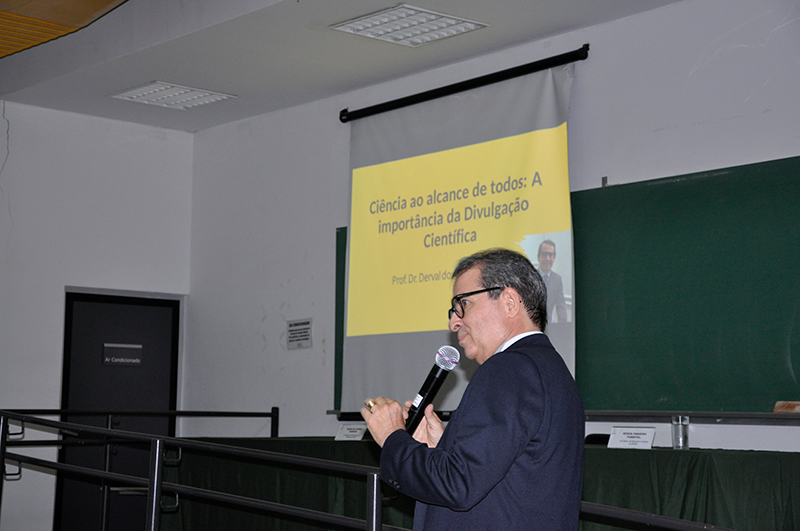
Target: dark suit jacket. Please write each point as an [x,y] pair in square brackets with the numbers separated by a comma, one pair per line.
[556,304]
[511,457]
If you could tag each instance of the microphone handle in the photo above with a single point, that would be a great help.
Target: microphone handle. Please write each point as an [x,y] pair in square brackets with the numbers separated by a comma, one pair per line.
[425,396]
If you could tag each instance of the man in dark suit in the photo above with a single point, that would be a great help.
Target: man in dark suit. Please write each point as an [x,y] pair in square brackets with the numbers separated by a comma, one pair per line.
[556,305]
[511,457]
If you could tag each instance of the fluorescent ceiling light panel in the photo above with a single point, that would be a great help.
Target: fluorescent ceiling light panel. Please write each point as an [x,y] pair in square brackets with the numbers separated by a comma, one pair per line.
[408,25]
[172,96]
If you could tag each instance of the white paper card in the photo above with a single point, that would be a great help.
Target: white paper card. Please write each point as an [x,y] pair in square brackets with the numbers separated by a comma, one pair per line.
[350,432]
[631,437]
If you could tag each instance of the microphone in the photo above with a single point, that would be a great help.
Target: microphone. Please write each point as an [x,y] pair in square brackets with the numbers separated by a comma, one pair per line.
[446,358]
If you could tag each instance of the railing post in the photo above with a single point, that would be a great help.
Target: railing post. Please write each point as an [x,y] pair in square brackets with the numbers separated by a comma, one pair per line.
[3,438]
[154,487]
[106,468]
[273,422]
[374,508]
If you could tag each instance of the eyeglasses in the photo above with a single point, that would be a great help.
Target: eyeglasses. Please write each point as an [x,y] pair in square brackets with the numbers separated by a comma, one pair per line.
[547,255]
[457,304]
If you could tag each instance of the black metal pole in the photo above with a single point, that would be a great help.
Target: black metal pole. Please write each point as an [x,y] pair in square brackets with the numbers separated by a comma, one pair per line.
[154,487]
[273,421]
[3,437]
[580,54]
[374,508]
[630,519]
[106,468]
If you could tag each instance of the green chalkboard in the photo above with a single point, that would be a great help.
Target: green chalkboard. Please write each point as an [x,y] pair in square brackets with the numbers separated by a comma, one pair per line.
[688,291]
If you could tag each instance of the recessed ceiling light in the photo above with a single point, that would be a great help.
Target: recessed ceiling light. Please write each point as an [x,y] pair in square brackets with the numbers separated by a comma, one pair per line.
[172,96]
[408,25]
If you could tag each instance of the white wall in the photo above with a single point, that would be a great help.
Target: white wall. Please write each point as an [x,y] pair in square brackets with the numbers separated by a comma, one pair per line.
[89,203]
[694,86]
[269,194]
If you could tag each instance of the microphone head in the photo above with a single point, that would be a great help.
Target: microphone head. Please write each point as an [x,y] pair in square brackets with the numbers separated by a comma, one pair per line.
[447,357]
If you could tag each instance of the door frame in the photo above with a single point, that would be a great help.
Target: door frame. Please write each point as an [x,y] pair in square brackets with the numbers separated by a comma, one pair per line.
[102,293]
[73,294]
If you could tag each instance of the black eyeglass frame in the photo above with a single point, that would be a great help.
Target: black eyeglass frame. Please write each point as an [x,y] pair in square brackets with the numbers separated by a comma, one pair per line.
[457,300]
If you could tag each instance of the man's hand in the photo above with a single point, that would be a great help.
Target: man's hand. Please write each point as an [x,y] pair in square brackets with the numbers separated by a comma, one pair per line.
[384,416]
[430,428]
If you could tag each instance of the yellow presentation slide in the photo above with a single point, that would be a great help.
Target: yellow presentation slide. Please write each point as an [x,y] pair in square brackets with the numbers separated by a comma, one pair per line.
[413,219]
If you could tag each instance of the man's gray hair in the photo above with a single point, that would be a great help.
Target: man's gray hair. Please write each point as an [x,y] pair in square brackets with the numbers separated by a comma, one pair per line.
[509,269]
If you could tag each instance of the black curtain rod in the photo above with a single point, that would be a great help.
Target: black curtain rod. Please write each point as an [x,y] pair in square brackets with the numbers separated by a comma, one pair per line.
[580,54]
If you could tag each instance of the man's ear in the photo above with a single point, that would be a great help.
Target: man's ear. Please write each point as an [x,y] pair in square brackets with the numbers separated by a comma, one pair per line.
[512,302]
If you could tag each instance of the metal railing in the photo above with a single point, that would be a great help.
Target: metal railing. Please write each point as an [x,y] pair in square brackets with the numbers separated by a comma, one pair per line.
[273,414]
[156,486]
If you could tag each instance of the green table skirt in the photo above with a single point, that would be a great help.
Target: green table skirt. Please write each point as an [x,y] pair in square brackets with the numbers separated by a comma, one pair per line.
[741,490]
[746,491]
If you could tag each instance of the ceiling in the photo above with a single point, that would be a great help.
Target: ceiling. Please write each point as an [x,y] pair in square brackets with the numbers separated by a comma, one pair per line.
[271,54]
[26,23]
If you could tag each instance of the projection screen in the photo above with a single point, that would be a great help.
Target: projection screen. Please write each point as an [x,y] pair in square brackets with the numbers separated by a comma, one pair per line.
[432,183]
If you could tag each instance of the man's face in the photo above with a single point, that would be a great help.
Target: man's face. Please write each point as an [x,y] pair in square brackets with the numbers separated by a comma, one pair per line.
[480,331]
[547,255]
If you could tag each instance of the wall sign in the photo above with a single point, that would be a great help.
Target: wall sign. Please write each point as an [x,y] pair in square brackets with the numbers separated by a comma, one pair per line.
[298,334]
[121,354]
